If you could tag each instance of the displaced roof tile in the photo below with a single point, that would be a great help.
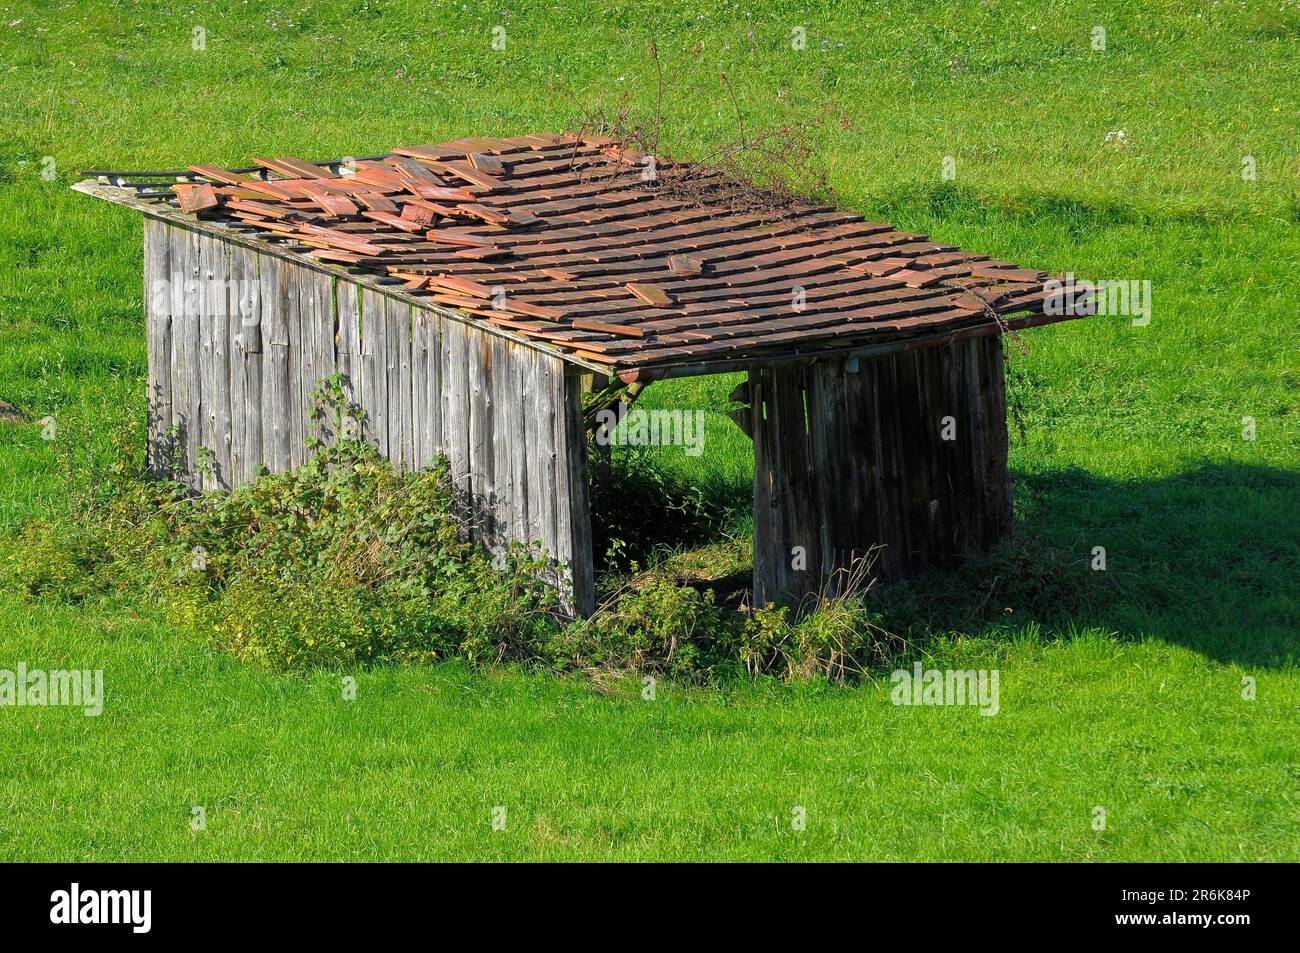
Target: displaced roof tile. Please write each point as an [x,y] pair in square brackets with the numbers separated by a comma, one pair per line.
[650,294]
[195,198]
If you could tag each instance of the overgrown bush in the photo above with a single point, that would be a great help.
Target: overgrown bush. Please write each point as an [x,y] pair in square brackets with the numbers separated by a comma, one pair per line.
[346,562]
[663,627]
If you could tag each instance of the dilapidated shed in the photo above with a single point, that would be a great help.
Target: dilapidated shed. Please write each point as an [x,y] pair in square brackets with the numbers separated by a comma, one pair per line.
[469,292]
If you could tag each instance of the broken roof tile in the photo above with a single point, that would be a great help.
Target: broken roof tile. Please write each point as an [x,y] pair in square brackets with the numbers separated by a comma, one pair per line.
[195,198]
[650,294]
[488,164]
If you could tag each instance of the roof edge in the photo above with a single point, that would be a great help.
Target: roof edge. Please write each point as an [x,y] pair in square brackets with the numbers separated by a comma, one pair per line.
[380,283]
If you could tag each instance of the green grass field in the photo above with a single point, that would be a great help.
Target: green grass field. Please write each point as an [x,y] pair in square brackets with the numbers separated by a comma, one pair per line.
[1124,693]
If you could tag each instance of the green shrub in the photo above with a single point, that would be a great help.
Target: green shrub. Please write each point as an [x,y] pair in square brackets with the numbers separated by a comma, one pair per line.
[345,562]
[662,627]
[838,640]
[342,562]
[62,566]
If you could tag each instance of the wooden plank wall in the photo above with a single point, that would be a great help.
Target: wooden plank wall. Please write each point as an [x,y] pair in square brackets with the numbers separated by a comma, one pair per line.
[238,340]
[851,455]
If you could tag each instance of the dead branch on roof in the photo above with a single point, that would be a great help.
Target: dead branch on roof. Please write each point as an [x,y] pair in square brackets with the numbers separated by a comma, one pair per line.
[768,172]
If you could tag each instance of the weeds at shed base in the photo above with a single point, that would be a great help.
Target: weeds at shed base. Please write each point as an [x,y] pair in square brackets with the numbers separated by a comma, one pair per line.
[345,562]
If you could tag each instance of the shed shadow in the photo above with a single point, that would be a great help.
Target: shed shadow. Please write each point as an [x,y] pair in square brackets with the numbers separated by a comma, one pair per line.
[1208,559]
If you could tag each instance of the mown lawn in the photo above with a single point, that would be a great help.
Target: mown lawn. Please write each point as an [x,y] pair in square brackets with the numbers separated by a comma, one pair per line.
[1120,690]
[414,767]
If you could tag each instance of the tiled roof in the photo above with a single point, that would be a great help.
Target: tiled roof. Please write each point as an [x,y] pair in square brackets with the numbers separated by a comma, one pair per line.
[565,240]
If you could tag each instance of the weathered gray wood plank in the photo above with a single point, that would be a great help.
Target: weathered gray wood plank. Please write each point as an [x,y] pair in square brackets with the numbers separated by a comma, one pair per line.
[374,368]
[434,382]
[345,331]
[825,399]
[192,422]
[216,398]
[543,447]
[158,304]
[520,523]
[536,466]
[988,356]
[405,331]
[207,391]
[347,302]
[299,357]
[246,368]
[868,403]
[764,587]
[447,415]
[456,423]
[419,389]
[319,333]
[276,431]
[481,465]
[504,423]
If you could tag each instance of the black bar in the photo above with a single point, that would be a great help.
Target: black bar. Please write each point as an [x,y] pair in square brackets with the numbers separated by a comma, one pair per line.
[931,901]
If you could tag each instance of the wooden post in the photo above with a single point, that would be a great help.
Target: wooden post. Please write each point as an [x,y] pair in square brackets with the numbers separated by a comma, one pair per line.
[902,456]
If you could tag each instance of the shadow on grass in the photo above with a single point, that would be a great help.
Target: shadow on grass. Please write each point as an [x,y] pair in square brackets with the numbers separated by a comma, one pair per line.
[1208,559]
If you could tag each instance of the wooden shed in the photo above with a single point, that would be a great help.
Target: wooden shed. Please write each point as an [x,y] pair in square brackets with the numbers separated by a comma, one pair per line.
[468,293]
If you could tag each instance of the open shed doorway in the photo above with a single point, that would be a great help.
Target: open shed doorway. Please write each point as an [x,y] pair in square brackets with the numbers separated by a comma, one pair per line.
[672,489]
